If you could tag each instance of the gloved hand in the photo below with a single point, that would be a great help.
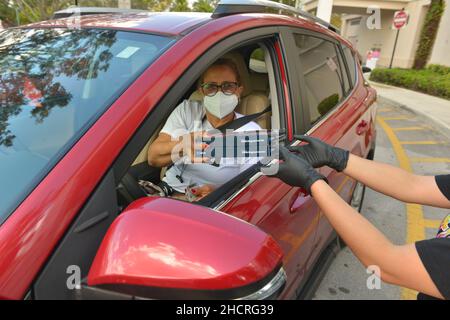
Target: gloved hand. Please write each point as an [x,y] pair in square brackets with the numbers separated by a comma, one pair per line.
[319,154]
[295,170]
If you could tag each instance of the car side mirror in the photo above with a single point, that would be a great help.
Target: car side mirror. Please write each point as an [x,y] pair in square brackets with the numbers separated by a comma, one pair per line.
[161,248]
[366,69]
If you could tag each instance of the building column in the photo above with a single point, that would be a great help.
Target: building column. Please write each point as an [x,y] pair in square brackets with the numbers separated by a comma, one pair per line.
[324,9]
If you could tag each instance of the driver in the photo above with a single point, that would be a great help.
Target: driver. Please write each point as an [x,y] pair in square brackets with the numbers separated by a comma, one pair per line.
[221,89]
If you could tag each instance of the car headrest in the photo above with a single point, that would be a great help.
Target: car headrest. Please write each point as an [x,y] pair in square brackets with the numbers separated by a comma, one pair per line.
[237,58]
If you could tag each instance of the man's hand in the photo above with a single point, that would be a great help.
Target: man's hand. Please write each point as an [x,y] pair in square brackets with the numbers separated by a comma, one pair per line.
[319,154]
[296,171]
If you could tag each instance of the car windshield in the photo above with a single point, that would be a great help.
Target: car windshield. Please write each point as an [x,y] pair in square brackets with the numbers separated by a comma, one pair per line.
[54,84]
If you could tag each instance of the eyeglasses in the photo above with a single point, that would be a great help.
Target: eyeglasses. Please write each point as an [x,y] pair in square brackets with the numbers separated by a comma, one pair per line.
[211,88]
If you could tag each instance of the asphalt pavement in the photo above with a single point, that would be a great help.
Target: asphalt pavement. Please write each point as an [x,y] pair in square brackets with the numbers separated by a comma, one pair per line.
[414,141]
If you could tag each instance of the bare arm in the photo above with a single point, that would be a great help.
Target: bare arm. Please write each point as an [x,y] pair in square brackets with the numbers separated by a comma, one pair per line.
[160,151]
[384,178]
[164,149]
[399,265]
[396,182]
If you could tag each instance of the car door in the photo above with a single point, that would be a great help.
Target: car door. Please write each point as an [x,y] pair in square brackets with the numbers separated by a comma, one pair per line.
[283,211]
[332,108]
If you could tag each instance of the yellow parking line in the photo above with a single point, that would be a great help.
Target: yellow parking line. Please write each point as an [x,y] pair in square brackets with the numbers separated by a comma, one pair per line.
[410,128]
[384,110]
[422,142]
[433,160]
[433,224]
[414,213]
[397,118]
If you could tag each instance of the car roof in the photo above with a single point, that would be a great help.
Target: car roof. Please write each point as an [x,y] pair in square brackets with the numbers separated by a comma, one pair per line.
[165,23]
[170,23]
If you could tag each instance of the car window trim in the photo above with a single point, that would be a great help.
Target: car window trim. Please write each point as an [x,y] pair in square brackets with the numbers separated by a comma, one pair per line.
[342,45]
[346,66]
[344,72]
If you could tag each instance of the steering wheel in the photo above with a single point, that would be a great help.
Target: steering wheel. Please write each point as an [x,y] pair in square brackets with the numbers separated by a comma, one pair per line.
[130,189]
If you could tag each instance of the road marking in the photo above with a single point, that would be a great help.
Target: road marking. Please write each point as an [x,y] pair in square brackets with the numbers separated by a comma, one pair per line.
[397,118]
[410,128]
[414,213]
[422,142]
[384,110]
[433,160]
[432,224]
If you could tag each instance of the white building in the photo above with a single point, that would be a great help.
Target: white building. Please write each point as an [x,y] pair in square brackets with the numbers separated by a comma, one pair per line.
[354,27]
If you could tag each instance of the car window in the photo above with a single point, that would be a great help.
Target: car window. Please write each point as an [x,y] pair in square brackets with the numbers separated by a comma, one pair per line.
[350,58]
[322,74]
[257,61]
[54,83]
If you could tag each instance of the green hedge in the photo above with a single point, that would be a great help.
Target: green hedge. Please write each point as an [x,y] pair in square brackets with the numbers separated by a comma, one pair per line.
[434,80]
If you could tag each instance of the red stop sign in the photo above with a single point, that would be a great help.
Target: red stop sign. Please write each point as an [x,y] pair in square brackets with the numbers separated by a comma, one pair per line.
[400,19]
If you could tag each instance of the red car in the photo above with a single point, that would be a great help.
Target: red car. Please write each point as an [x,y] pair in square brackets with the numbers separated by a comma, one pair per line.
[82,98]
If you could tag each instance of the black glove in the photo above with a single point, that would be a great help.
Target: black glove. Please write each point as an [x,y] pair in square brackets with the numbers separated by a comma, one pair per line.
[319,154]
[295,170]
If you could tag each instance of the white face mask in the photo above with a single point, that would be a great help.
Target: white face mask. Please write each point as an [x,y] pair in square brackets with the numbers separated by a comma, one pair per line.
[221,105]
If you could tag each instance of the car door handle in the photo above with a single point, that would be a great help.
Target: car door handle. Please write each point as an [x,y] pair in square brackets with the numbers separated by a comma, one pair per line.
[300,198]
[362,127]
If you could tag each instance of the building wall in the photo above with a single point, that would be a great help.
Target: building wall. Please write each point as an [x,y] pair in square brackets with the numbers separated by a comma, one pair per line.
[384,38]
[441,49]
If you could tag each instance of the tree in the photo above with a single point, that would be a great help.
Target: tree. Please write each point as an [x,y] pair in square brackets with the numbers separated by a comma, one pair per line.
[7,14]
[97,3]
[204,5]
[16,12]
[180,6]
[151,5]
[287,2]
[428,33]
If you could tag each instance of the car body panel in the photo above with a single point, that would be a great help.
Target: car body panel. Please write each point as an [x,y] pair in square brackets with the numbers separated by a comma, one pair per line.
[304,233]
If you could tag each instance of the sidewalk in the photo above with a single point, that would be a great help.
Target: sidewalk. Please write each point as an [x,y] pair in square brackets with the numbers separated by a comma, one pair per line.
[435,109]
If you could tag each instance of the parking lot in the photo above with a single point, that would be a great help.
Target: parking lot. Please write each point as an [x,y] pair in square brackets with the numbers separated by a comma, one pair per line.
[414,143]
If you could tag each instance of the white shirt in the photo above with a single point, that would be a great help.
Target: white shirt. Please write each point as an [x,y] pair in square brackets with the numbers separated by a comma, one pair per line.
[186,118]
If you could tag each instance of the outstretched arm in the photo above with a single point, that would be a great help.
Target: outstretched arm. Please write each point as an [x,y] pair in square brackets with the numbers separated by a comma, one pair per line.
[395,182]
[384,178]
[399,265]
